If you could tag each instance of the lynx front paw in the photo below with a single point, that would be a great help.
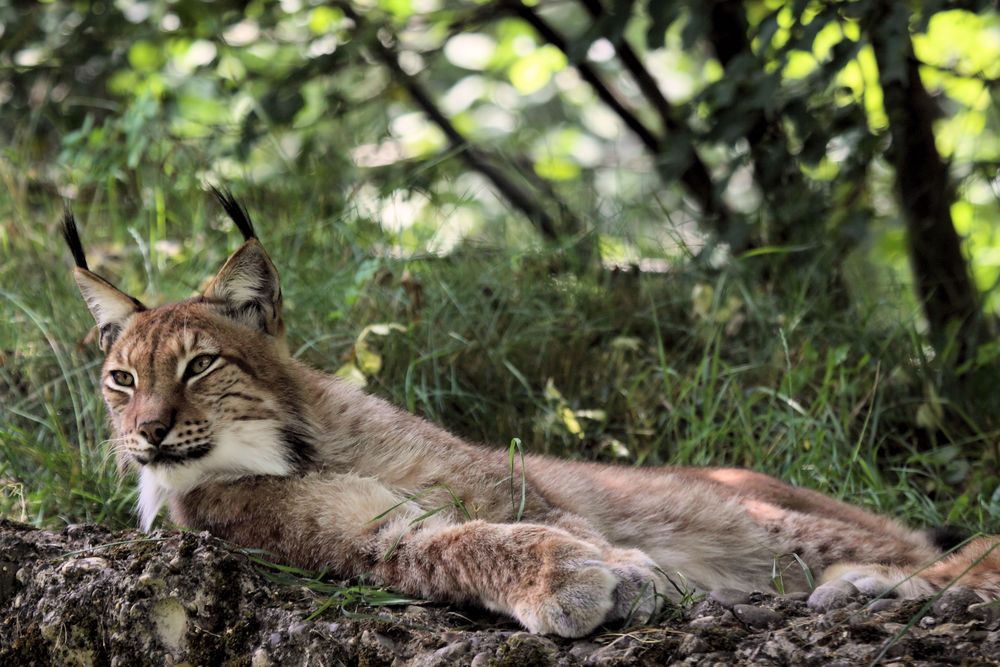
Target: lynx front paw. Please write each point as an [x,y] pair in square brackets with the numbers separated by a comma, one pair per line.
[572,600]
[641,586]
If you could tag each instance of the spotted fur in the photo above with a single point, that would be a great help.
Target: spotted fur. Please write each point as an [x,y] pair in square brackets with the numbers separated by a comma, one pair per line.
[239,438]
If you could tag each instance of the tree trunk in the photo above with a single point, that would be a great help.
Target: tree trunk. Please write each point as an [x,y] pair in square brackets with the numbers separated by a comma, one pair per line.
[941,274]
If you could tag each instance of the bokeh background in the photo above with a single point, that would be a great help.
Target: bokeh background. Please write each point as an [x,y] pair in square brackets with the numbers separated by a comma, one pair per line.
[757,233]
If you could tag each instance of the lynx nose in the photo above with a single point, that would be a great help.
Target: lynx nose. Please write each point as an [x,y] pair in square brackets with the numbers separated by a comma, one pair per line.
[154,432]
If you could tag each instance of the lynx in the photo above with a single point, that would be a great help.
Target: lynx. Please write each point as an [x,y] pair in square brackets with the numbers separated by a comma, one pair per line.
[239,438]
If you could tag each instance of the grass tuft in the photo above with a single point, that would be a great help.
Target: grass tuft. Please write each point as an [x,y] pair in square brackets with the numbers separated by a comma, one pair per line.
[692,366]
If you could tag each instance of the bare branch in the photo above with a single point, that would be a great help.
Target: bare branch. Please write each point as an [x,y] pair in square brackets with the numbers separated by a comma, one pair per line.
[518,196]
[695,176]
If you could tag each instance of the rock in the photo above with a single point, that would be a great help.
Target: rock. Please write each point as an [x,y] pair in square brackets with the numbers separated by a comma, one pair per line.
[728,597]
[583,649]
[522,648]
[260,659]
[77,567]
[955,603]
[986,611]
[415,611]
[170,619]
[758,617]
[704,622]
[797,596]
[832,595]
[89,596]
[692,645]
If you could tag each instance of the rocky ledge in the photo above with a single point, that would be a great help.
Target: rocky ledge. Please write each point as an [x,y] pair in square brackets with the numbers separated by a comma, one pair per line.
[85,595]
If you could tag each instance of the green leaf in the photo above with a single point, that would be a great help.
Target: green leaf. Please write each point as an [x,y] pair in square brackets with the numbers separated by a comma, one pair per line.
[322,19]
[661,13]
[532,72]
[518,509]
[144,56]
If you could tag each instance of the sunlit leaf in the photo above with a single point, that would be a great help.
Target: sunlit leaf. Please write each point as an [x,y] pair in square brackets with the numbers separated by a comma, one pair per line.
[352,374]
[532,72]
[570,421]
[144,56]
[368,361]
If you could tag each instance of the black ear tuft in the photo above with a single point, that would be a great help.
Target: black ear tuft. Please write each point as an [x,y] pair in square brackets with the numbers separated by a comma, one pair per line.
[235,211]
[72,237]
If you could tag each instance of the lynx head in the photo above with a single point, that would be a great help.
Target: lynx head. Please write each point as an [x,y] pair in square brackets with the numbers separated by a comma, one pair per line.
[200,390]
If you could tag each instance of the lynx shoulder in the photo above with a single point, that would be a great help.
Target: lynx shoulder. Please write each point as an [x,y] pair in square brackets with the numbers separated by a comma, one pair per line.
[235,436]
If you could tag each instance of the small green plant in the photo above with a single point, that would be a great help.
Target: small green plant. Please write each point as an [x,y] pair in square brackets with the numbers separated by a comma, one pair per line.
[346,597]
[517,507]
[777,579]
[454,503]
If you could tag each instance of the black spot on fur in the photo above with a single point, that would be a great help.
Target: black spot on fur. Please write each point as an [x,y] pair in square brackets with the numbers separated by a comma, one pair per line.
[235,211]
[947,536]
[299,448]
[72,237]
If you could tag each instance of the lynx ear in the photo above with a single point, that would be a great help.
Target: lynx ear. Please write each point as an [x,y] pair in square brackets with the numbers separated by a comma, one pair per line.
[247,288]
[110,306]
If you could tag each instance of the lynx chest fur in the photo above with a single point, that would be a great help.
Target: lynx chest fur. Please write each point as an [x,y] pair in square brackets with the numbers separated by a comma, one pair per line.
[235,436]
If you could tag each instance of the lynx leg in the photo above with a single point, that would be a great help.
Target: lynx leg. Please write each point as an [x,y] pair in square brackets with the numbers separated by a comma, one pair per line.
[975,566]
[548,579]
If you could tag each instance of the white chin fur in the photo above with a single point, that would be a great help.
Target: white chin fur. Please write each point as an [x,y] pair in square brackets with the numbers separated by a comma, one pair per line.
[241,449]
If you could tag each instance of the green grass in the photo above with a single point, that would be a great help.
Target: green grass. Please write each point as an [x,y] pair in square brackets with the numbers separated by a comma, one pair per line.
[686,367]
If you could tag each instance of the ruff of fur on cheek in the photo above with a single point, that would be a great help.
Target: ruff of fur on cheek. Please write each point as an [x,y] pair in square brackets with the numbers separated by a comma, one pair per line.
[239,449]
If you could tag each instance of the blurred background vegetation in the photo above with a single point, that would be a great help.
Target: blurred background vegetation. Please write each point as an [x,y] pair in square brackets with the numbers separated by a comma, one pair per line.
[755,232]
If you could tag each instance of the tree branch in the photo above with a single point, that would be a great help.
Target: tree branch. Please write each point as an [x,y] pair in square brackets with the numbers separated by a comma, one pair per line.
[695,176]
[519,197]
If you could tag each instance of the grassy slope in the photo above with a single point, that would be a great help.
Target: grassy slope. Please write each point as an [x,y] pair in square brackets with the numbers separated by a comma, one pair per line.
[681,368]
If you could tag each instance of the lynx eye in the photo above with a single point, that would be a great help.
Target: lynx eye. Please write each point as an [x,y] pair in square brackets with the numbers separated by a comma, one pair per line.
[122,378]
[200,364]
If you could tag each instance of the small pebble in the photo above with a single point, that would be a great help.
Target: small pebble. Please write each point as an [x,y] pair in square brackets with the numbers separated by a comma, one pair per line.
[728,597]
[583,649]
[797,596]
[704,622]
[453,651]
[692,644]
[260,659]
[81,566]
[955,602]
[758,617]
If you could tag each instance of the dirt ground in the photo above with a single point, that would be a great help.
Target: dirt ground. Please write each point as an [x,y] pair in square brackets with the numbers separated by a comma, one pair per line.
[85,595]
